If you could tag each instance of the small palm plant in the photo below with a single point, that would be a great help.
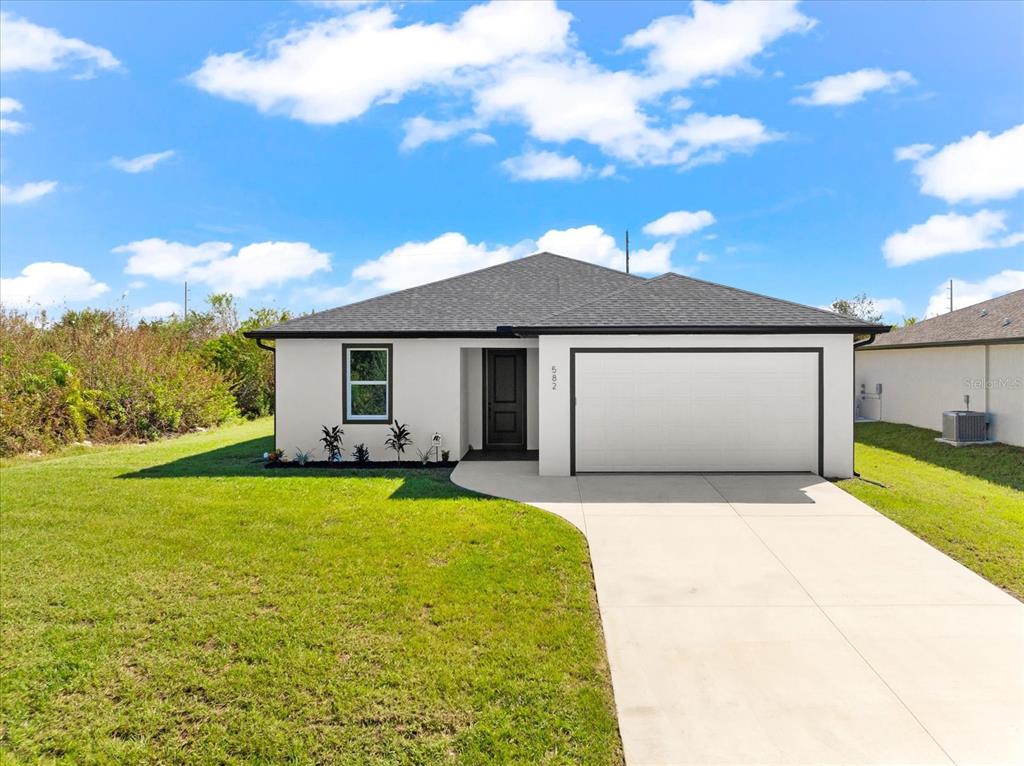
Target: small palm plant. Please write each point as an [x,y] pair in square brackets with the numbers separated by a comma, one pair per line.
[332,442]
[400,439]
[361,454]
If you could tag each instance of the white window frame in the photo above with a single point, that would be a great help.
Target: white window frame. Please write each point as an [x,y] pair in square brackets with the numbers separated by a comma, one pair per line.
[349,416]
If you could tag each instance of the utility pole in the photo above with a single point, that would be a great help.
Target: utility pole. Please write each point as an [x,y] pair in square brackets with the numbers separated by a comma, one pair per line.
[951,295]
[627,251]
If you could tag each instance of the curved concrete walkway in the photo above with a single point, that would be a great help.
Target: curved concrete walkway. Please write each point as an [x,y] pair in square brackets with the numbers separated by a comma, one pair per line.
[775,619]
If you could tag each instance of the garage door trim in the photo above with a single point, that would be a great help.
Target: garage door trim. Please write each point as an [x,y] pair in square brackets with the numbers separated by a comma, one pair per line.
[819,350]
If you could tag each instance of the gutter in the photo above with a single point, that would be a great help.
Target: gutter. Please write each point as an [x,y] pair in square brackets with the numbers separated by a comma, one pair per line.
[272,350]
[694,330]
[861,343]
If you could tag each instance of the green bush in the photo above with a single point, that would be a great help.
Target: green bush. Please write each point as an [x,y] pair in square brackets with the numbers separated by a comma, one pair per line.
[95,375]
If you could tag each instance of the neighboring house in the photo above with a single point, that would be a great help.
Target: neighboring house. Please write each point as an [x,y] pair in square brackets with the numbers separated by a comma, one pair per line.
[596,369]
[929,367]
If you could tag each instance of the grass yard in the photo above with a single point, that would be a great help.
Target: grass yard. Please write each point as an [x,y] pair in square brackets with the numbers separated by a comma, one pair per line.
[176,602]
[967,501]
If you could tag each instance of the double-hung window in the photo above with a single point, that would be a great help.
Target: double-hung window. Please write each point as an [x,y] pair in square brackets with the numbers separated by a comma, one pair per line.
[367,382]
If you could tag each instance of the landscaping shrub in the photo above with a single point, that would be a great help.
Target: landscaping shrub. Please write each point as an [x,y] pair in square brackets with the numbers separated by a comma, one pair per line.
[93,374]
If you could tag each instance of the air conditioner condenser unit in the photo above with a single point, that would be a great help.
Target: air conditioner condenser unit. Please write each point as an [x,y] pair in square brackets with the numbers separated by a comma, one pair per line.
[963,426]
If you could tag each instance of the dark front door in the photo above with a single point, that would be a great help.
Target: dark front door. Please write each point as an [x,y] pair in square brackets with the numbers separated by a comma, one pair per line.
[505,399]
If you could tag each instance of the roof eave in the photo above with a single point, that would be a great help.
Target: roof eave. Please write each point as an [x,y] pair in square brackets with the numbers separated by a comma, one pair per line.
[943,343]
[271,334]
[699,330]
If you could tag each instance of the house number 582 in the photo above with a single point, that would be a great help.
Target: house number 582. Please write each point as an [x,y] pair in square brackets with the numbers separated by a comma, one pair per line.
[554,378]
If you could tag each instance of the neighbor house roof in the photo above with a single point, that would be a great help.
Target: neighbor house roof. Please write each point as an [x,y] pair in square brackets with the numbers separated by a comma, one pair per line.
[547,292]
[1000,320]
[672,300]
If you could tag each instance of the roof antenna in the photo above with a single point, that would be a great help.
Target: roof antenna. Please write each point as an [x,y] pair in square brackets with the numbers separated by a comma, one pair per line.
[627,251]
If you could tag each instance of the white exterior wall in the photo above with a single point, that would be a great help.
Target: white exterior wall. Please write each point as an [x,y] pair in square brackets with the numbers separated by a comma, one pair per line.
[1006,392]
[919,384]
[436,386]
[554,387]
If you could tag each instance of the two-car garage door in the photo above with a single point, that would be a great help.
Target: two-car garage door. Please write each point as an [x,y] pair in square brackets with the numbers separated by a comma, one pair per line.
[696,410]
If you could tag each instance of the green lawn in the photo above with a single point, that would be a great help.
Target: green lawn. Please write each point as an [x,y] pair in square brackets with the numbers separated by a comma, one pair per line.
[176,602]
[966,501]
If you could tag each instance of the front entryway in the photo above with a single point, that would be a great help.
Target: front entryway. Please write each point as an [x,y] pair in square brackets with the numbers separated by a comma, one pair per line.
[505,399]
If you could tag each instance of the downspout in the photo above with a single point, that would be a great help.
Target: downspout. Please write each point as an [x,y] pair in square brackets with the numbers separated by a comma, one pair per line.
[272,350]
[856,345]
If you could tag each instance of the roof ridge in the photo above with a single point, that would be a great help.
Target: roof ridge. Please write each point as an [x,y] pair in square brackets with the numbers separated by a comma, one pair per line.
[827,312]
[472,273]
[643,281]
[972,306]
[589,263]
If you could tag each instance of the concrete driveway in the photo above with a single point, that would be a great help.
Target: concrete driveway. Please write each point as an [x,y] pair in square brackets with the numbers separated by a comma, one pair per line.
[775,619]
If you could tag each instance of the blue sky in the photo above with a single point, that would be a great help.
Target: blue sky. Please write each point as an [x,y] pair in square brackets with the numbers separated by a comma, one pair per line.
[307,154]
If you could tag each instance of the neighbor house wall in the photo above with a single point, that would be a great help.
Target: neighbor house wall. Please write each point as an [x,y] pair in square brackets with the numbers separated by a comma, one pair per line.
[436,386]
[554,389]
[919,384]
[1006,392]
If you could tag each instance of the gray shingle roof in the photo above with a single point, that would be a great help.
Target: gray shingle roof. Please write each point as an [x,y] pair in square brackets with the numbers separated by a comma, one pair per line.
[543,292]
[515,292]
[981,322]
[672,301]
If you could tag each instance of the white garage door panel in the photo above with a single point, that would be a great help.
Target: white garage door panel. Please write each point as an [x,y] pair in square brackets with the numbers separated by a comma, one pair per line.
[696,411]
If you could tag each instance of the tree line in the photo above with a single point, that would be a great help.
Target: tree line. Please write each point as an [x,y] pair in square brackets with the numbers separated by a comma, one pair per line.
[96,375]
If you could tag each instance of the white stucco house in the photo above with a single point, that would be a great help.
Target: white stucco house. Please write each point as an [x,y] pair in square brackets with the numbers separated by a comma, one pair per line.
[929,367]
[594,369]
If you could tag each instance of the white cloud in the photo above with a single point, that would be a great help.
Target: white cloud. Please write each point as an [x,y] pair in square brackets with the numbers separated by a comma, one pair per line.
[19,195]
[703,257]
[45,283]
[913,152]
[169,260]
[949,233]
[136,284]
[7,125]
[591,243]
[415,263]
[142,163]
[563,101]
[718,39]
[262,264]
[516,62]
[892,306]
[253,267]
[159,310]
[451,254]
[849,88]
[975,168]
[29,47]
[421,130]
[14,127]
[679,223]
[481,139]
[334,70]
[544,166]
[968,293]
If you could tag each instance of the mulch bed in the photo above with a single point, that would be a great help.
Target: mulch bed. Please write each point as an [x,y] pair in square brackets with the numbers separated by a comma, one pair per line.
[373,465]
